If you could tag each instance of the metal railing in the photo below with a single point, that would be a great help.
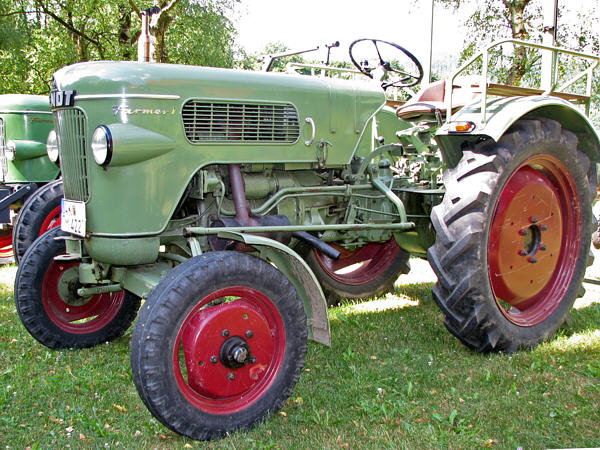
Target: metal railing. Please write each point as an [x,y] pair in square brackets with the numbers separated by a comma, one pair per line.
[484,55]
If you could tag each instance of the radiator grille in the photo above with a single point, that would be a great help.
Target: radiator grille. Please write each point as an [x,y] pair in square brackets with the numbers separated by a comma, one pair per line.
[3,163]
[240,122]
[70,125]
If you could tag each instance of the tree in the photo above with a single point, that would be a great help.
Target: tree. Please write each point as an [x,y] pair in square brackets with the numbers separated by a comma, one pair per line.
[40,36]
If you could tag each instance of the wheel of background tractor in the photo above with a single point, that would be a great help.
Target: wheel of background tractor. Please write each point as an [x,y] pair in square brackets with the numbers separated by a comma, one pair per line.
[513,236]
[219,344]
[40,213]
[366,272]
[51,310]
[6,249]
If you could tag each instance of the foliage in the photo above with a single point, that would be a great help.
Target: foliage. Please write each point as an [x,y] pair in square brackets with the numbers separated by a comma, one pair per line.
[40,36]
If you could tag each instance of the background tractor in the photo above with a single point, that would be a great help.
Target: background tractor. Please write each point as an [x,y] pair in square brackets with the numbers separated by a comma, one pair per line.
[236,202]
[29,195]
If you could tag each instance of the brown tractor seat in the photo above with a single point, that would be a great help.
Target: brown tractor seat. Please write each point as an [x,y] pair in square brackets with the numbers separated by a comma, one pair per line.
[429,103]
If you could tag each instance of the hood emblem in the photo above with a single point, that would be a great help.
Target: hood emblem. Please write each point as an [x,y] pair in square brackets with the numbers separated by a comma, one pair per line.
[147,111]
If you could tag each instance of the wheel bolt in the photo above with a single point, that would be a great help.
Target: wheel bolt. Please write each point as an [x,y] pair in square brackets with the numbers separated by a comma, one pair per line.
[543,227]
[523,232]
[542,246]
[533,219]
[252,360]
[230,376]
[522,253]
[225,333]
[249,333]
[532,260]
[213,359]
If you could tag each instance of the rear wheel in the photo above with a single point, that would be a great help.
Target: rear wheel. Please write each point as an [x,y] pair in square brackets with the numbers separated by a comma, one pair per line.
[513,235]
[365,272]
[40,213]
[52,311]
[218,345]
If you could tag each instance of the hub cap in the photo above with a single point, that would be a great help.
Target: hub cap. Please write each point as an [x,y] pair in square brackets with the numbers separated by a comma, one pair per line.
[229,349]
[534,240]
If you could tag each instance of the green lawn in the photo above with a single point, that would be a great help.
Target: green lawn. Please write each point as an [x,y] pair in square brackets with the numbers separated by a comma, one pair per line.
[394,377]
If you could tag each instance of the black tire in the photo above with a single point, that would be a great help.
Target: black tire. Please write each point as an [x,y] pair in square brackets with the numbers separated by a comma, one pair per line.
[494,251]
[51,310]
[35,217]
[383,264]
[201,314]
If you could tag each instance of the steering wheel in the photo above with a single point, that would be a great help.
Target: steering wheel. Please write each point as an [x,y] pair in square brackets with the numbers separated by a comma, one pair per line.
[407,78]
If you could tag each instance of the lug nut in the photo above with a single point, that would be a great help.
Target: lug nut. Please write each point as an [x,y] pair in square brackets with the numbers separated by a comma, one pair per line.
[543,227]
[213,359]
[249,333]
[533,219]
[542,246]
[532,260]
[252,360]
[225,333]
[523,232]
[230,376]
[522,253]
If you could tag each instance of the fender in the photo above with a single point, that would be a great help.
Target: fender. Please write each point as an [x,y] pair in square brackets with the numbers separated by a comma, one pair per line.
[503,113]
[298,272]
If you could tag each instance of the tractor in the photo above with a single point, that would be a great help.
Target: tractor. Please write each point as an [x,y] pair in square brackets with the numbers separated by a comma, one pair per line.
[238,203]
[29,191]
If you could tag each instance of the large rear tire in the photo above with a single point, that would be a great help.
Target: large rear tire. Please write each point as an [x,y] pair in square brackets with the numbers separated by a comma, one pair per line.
[513,236]
[40,213]
[218,345]
[366,272]
[49,307]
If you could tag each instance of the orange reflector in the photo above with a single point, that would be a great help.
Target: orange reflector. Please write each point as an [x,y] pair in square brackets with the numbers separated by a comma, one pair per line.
[462,127]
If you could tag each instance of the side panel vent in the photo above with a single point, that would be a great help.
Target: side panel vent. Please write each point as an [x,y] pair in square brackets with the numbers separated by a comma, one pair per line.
[206,122]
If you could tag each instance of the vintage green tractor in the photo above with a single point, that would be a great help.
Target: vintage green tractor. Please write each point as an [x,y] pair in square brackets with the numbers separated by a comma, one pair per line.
[235,202]
[29,195]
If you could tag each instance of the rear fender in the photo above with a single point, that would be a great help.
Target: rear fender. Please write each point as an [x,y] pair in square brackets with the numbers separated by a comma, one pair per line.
[298,272]
[503,113]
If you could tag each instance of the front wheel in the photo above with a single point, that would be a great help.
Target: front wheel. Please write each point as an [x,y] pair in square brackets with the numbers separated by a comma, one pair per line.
[513,237]
[365,272]
[52,311]
[218,345]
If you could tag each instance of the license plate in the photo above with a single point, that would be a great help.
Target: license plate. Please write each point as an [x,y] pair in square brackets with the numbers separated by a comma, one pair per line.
[72,217]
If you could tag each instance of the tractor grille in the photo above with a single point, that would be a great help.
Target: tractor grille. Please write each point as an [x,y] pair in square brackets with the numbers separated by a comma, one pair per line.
[240,122]
[70,125]
[3,163]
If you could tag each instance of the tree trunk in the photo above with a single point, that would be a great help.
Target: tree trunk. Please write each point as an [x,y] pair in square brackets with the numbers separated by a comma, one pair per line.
[517,22]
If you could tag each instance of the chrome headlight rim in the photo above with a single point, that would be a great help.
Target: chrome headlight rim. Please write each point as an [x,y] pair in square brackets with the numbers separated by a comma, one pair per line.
[52,147]
[102,145]
[10,150]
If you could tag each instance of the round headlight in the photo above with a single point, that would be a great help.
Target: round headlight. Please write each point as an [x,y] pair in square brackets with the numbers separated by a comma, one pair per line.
[10,150]
[102,145]
[52,146]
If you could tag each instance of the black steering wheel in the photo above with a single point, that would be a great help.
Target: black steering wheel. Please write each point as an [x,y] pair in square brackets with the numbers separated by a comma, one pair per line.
[407,77]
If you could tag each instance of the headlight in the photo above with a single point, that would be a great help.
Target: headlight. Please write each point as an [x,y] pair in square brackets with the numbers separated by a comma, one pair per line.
[52,147]
[10,150]
[102,145]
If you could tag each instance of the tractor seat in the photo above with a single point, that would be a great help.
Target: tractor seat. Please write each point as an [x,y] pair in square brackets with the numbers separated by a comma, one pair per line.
[429,103]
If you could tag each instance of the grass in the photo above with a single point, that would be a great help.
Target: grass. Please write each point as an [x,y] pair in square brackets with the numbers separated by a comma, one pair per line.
[393,378]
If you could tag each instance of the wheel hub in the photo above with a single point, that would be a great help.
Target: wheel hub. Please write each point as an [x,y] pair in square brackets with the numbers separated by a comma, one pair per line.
[67,285]
[228,348]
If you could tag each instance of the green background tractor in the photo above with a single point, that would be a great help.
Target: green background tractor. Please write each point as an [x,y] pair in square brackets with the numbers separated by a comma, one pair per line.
[25,210]
[239,203]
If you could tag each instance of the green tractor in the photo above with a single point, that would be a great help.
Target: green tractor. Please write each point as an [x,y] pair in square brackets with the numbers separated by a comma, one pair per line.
[237,203]
[29,191]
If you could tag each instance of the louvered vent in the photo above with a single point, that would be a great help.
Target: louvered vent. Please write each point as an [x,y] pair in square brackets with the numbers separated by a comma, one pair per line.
[240,122]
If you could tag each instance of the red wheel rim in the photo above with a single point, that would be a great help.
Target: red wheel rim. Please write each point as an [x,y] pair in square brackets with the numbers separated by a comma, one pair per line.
[217,328]
[52,220]
[368,262]
[71,313]
[6,250]
[534,240]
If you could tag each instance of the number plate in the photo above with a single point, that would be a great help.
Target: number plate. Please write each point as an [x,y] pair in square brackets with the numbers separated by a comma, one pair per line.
[72,217]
